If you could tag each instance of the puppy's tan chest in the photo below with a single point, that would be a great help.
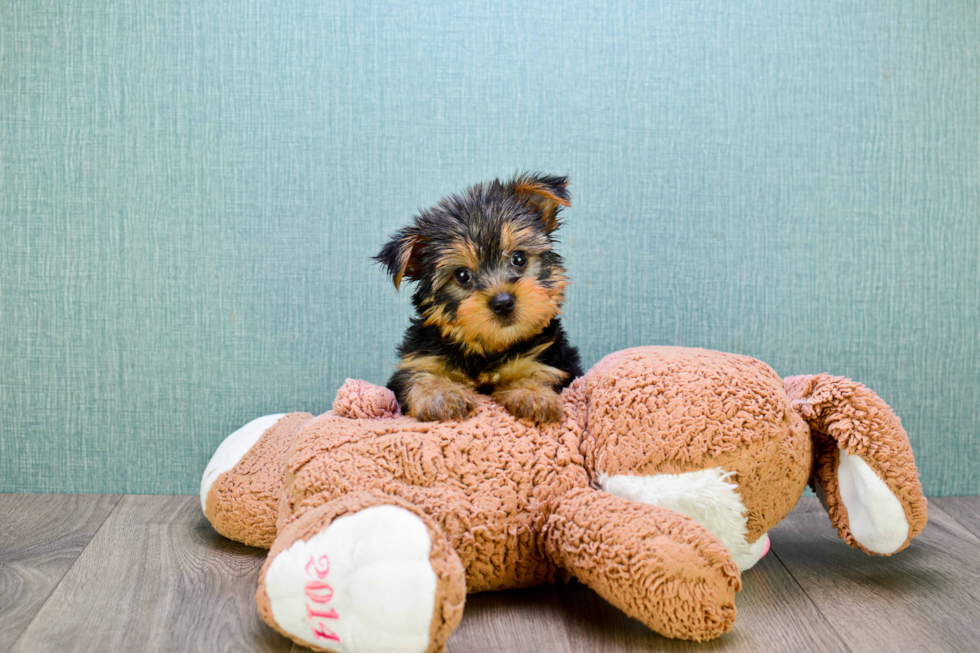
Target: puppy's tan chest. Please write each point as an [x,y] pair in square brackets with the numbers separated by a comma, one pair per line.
[488,377]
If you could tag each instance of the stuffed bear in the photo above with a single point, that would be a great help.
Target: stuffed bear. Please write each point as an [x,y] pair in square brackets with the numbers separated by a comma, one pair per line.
[656,489]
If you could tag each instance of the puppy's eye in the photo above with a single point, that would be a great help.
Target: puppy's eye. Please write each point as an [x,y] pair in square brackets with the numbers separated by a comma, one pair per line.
[518,259]
[462,276]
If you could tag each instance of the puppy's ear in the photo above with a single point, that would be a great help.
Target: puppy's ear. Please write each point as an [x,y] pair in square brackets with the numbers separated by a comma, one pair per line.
[544,193]
[401,256]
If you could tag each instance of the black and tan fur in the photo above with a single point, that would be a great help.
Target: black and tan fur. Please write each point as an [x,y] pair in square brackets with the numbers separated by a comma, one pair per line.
[489,288]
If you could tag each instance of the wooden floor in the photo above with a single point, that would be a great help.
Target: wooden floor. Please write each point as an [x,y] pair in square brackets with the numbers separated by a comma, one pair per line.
[147,573]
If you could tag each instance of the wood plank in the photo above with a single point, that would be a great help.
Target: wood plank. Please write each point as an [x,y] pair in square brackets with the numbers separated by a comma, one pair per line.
[773,614]
[923,598]
[530,619]
[156,577]
[965,510]
[41,536]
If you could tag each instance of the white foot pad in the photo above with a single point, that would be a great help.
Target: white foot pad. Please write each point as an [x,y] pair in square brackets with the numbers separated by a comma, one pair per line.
[363,584]
[233,449]
[757,551]
[875,515]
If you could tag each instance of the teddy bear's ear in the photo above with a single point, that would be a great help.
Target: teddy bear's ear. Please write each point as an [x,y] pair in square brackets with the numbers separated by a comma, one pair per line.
[402,255]
[544,193]
[863,463]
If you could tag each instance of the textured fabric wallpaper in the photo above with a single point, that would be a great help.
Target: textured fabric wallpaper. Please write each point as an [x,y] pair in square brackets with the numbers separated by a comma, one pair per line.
[190,193]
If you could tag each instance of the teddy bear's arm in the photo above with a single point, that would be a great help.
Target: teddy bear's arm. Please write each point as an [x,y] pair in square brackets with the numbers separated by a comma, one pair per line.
[654,564]
[242,484]
[863,463]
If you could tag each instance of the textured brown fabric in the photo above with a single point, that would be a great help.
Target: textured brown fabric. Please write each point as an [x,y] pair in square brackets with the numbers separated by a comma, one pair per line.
[845,415]
[668,410]
[654,564]
[450,577]
[360,399]
[486,481]
[516,504]
[243,502]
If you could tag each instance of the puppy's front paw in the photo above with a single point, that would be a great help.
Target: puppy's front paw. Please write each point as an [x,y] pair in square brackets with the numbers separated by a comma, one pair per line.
[441,402]
[538,404]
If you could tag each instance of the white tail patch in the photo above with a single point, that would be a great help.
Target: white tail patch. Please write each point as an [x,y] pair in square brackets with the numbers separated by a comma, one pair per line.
[706,496]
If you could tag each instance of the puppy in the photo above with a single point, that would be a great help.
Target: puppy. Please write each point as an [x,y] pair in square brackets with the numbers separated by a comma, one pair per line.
[489,288]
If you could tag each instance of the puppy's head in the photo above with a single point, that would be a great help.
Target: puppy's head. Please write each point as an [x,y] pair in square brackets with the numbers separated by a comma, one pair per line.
[485,270]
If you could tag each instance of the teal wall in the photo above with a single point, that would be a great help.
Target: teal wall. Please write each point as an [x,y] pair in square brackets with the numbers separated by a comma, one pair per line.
[190,193]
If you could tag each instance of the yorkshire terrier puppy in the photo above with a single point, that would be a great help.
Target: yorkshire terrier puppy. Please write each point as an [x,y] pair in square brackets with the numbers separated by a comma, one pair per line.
[489,288]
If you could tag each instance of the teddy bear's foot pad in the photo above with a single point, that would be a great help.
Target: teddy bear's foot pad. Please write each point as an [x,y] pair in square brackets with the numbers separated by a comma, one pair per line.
[362,584]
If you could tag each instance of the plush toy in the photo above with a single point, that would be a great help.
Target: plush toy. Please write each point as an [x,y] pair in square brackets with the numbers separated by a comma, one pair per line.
[656,490]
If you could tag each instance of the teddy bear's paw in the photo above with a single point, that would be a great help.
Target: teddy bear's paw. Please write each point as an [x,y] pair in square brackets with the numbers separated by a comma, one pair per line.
[757,551]
[364,583]
[541,405]
[362,400]
[232,450]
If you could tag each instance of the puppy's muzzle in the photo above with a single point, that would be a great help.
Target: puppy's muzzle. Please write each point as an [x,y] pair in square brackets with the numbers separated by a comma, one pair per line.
[503,304]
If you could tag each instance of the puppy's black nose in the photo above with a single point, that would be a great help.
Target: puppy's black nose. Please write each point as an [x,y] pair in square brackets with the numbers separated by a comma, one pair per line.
[502,303]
